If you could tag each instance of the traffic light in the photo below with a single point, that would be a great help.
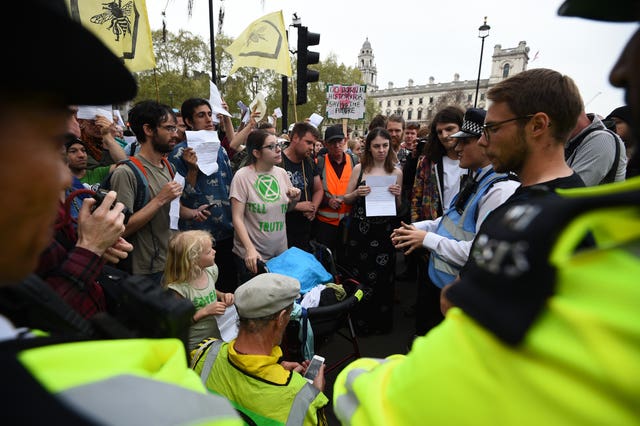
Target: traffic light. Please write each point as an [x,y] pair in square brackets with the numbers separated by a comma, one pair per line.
[306,58]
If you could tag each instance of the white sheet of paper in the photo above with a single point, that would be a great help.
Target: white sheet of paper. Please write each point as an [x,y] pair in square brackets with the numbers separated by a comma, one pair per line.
[228,323]
[119,121]
[315,119]
[206,145]
[278,112]
[244,112]
[380,202]
[174,208]
[259,105]
[216,101]
[89,112]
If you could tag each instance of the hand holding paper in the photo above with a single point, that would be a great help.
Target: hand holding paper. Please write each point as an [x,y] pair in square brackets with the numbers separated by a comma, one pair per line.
[380,201]
[217,105]
[206,145]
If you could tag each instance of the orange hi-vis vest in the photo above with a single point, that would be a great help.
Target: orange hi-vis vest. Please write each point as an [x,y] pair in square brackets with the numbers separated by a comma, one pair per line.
[334,186]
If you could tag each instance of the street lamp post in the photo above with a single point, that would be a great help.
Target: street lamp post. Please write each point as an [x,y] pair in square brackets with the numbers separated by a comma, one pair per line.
[483,32]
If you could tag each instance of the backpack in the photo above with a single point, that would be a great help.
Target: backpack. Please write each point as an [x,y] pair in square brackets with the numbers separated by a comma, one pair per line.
[142,184]
[611,175]
[141,193]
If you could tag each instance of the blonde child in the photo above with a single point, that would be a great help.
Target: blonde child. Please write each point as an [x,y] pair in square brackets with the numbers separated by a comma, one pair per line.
[192,273]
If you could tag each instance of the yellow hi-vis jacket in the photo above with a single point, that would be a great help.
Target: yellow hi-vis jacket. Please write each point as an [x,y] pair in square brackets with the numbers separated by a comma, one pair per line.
[289,400]
[131,381]
[333,186]
[577,364]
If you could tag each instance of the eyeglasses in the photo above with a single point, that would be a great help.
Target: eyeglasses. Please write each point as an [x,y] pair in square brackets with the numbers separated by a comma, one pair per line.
[170,129]
[487,129]
[273,146]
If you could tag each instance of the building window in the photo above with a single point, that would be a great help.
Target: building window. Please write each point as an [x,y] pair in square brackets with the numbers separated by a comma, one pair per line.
[431,100]
[419,114]
[482,96]
[469,97]
[429,114]
[411,101]
[409,114]
[505,71]
[388,103]
[420,101]
[399,102]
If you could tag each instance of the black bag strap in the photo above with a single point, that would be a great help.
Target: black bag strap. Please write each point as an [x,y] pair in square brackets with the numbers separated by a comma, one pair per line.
[34,304]
[574,144]
[611,175]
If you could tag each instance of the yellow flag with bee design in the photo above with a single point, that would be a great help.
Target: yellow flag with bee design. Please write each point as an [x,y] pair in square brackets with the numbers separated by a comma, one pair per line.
[262,45]
[122,25]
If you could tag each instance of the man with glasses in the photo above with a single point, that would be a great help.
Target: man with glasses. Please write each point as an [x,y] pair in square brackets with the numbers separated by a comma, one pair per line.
[155,127]
[527,126]
[525,344]
[450,236]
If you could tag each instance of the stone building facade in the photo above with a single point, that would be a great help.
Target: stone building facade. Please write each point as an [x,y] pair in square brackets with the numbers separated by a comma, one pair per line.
[419,103]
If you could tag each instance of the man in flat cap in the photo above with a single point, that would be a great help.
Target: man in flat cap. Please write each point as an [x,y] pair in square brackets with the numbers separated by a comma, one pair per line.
[248,370]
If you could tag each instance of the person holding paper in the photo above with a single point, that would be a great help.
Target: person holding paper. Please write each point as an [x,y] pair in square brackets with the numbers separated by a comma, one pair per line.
[148,228]
[261,195]
[98,133]
[191,273]
[206,196]
[370,256]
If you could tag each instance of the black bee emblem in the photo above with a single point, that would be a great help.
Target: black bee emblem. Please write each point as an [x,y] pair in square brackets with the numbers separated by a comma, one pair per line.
[117,16]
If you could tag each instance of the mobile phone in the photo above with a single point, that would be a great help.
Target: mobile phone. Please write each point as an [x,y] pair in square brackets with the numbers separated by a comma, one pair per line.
[314,368]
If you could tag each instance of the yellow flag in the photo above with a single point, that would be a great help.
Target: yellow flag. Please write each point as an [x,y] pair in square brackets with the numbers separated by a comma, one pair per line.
[122,25]
[262,45]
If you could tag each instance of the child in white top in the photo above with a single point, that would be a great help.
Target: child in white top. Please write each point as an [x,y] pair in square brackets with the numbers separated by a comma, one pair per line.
[191,273]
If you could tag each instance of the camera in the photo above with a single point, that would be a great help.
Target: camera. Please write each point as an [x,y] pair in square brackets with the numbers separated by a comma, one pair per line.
[99,195]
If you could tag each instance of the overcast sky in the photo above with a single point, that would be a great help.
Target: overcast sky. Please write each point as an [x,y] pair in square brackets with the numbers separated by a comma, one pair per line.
[416,39]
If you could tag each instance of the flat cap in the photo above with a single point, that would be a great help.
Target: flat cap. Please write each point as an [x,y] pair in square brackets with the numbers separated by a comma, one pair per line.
[265,294]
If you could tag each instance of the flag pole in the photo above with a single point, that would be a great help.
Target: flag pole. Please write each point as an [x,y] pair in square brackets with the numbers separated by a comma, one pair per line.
[293,96]
[213,44]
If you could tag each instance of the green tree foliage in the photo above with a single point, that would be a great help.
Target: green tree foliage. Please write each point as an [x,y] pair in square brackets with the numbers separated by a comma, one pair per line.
[184,70]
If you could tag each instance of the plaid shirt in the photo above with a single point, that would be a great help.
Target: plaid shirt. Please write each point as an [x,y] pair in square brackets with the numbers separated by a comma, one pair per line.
[73,272]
